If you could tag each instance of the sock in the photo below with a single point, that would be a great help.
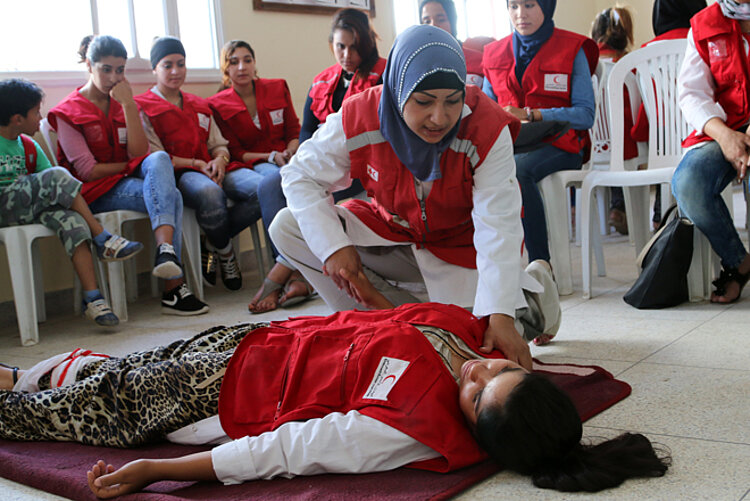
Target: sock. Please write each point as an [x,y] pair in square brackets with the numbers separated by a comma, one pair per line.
[91,295]
[101,238]
[225,251]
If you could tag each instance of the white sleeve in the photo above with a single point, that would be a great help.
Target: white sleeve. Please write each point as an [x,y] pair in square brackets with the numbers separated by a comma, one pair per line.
[336,443]
[697,89]
[320,167]
[498,232]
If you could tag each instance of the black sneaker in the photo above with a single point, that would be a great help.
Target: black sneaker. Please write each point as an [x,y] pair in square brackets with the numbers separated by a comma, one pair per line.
[166,265]
[230,272]
[208,264]
[180,301]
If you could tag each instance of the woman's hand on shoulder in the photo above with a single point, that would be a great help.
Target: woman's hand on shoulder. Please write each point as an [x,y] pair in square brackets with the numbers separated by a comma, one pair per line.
[501,334]
[107,482]
[122,92]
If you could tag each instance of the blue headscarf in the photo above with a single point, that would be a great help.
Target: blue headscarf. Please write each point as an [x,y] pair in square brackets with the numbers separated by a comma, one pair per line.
[525,47]
[418,52]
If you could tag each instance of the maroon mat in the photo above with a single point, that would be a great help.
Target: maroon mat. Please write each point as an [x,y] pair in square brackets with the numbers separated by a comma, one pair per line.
[60,468]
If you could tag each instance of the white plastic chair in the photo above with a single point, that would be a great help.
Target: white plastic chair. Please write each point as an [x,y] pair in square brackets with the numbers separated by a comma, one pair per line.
[554,189]
[657,67]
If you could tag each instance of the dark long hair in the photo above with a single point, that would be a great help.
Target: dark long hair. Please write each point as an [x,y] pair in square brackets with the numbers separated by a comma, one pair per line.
[538,432]
[450,12]
[358,24]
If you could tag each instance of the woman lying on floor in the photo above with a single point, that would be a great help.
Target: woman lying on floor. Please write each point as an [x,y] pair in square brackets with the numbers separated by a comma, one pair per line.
[406,386]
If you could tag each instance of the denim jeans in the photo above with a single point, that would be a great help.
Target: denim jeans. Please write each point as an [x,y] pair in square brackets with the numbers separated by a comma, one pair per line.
[219,222]
[150,189]
[701,176]
[531,168]
[272,198]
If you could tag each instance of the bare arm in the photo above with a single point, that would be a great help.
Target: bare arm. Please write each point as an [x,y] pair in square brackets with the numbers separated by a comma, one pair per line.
[107,482]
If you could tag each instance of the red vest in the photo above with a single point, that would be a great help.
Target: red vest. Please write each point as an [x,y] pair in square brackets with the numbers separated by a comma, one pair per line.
[443,224]
[718,40]
[106,137]
[474,68]
[321,91]
[546,81]
[309,367]
[183,132]
[29,153]
[278,121]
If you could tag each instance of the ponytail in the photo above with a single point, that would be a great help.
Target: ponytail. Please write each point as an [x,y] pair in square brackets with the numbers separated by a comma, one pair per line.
[614,27]
[538,432]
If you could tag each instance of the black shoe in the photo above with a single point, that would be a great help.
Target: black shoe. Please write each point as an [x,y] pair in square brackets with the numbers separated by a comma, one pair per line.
[208,264]
[166,265]
[180,301]
[230,272]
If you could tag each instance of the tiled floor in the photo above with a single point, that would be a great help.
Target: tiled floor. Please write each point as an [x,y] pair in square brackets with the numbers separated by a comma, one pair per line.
[689,367]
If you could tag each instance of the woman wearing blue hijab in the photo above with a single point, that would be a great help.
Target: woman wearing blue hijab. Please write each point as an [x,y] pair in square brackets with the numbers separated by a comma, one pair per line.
[436,158]
[543,73]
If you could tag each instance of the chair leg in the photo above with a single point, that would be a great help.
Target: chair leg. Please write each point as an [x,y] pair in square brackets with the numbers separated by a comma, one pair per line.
[191,258]
[555,213]
[36,265]
[23,283]
[587,208]
[258,250]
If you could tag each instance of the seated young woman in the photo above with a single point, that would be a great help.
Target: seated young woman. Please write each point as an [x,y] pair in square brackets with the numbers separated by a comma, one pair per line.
[255,115]
[256,390]
[101,140]
[541,73]
[358,67]
[442,14]
[182,125]
[714,104]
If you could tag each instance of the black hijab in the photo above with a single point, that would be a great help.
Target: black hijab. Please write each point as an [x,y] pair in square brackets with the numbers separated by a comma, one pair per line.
[672,14]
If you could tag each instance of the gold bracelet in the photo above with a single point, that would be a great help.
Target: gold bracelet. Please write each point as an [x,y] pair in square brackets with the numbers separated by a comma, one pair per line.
[226,158]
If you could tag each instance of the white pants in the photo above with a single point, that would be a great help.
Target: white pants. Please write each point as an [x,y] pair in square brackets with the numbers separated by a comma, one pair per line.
[385,259]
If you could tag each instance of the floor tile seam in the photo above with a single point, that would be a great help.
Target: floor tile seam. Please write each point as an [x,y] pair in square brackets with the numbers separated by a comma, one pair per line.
[685,366]
[746,496]
[660,434]
[672,342]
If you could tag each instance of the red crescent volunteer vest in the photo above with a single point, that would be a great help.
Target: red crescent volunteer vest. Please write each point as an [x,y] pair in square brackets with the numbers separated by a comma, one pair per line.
[29,153]
[373,362]
[278,121]
[546,81]
[106,137]
[718,40]
[183,132]
[321,91]
[474,68]
[442,223]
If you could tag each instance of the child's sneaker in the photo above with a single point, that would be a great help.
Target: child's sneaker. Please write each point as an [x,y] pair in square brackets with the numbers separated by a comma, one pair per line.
[99,311]
[230,272]
[117,248]
[166,265]
[180,301]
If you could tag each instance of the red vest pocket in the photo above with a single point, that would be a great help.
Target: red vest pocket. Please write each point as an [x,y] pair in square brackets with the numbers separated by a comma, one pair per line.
[262,367]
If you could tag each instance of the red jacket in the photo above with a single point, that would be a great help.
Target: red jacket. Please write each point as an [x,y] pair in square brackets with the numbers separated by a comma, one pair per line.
[546,81]
[183,132]
[309,367]
[106,137]
[718,40]
[321,91]
[278,121]
[443,225]
[474,68]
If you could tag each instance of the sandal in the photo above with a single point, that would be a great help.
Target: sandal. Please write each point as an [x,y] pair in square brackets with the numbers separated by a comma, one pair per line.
[15,371]
[298,299]
[725,278]
[268,287]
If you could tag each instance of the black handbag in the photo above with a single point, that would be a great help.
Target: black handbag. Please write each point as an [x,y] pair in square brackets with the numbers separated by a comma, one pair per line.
[533,134]
[665,261]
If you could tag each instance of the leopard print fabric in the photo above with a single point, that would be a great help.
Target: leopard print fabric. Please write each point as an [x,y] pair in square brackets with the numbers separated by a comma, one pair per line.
[129,401]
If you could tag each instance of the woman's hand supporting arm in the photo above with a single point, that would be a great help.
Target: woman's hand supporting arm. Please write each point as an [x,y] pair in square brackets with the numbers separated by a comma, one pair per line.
[107,482]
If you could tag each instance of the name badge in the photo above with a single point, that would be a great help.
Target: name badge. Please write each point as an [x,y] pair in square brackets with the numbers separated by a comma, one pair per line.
[122,135]
[204,121]
[372,173]
[386,376]
[277,116]
[556,82]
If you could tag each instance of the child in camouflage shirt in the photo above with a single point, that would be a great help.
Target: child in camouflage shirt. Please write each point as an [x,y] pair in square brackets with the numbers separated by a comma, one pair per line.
[32,191]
